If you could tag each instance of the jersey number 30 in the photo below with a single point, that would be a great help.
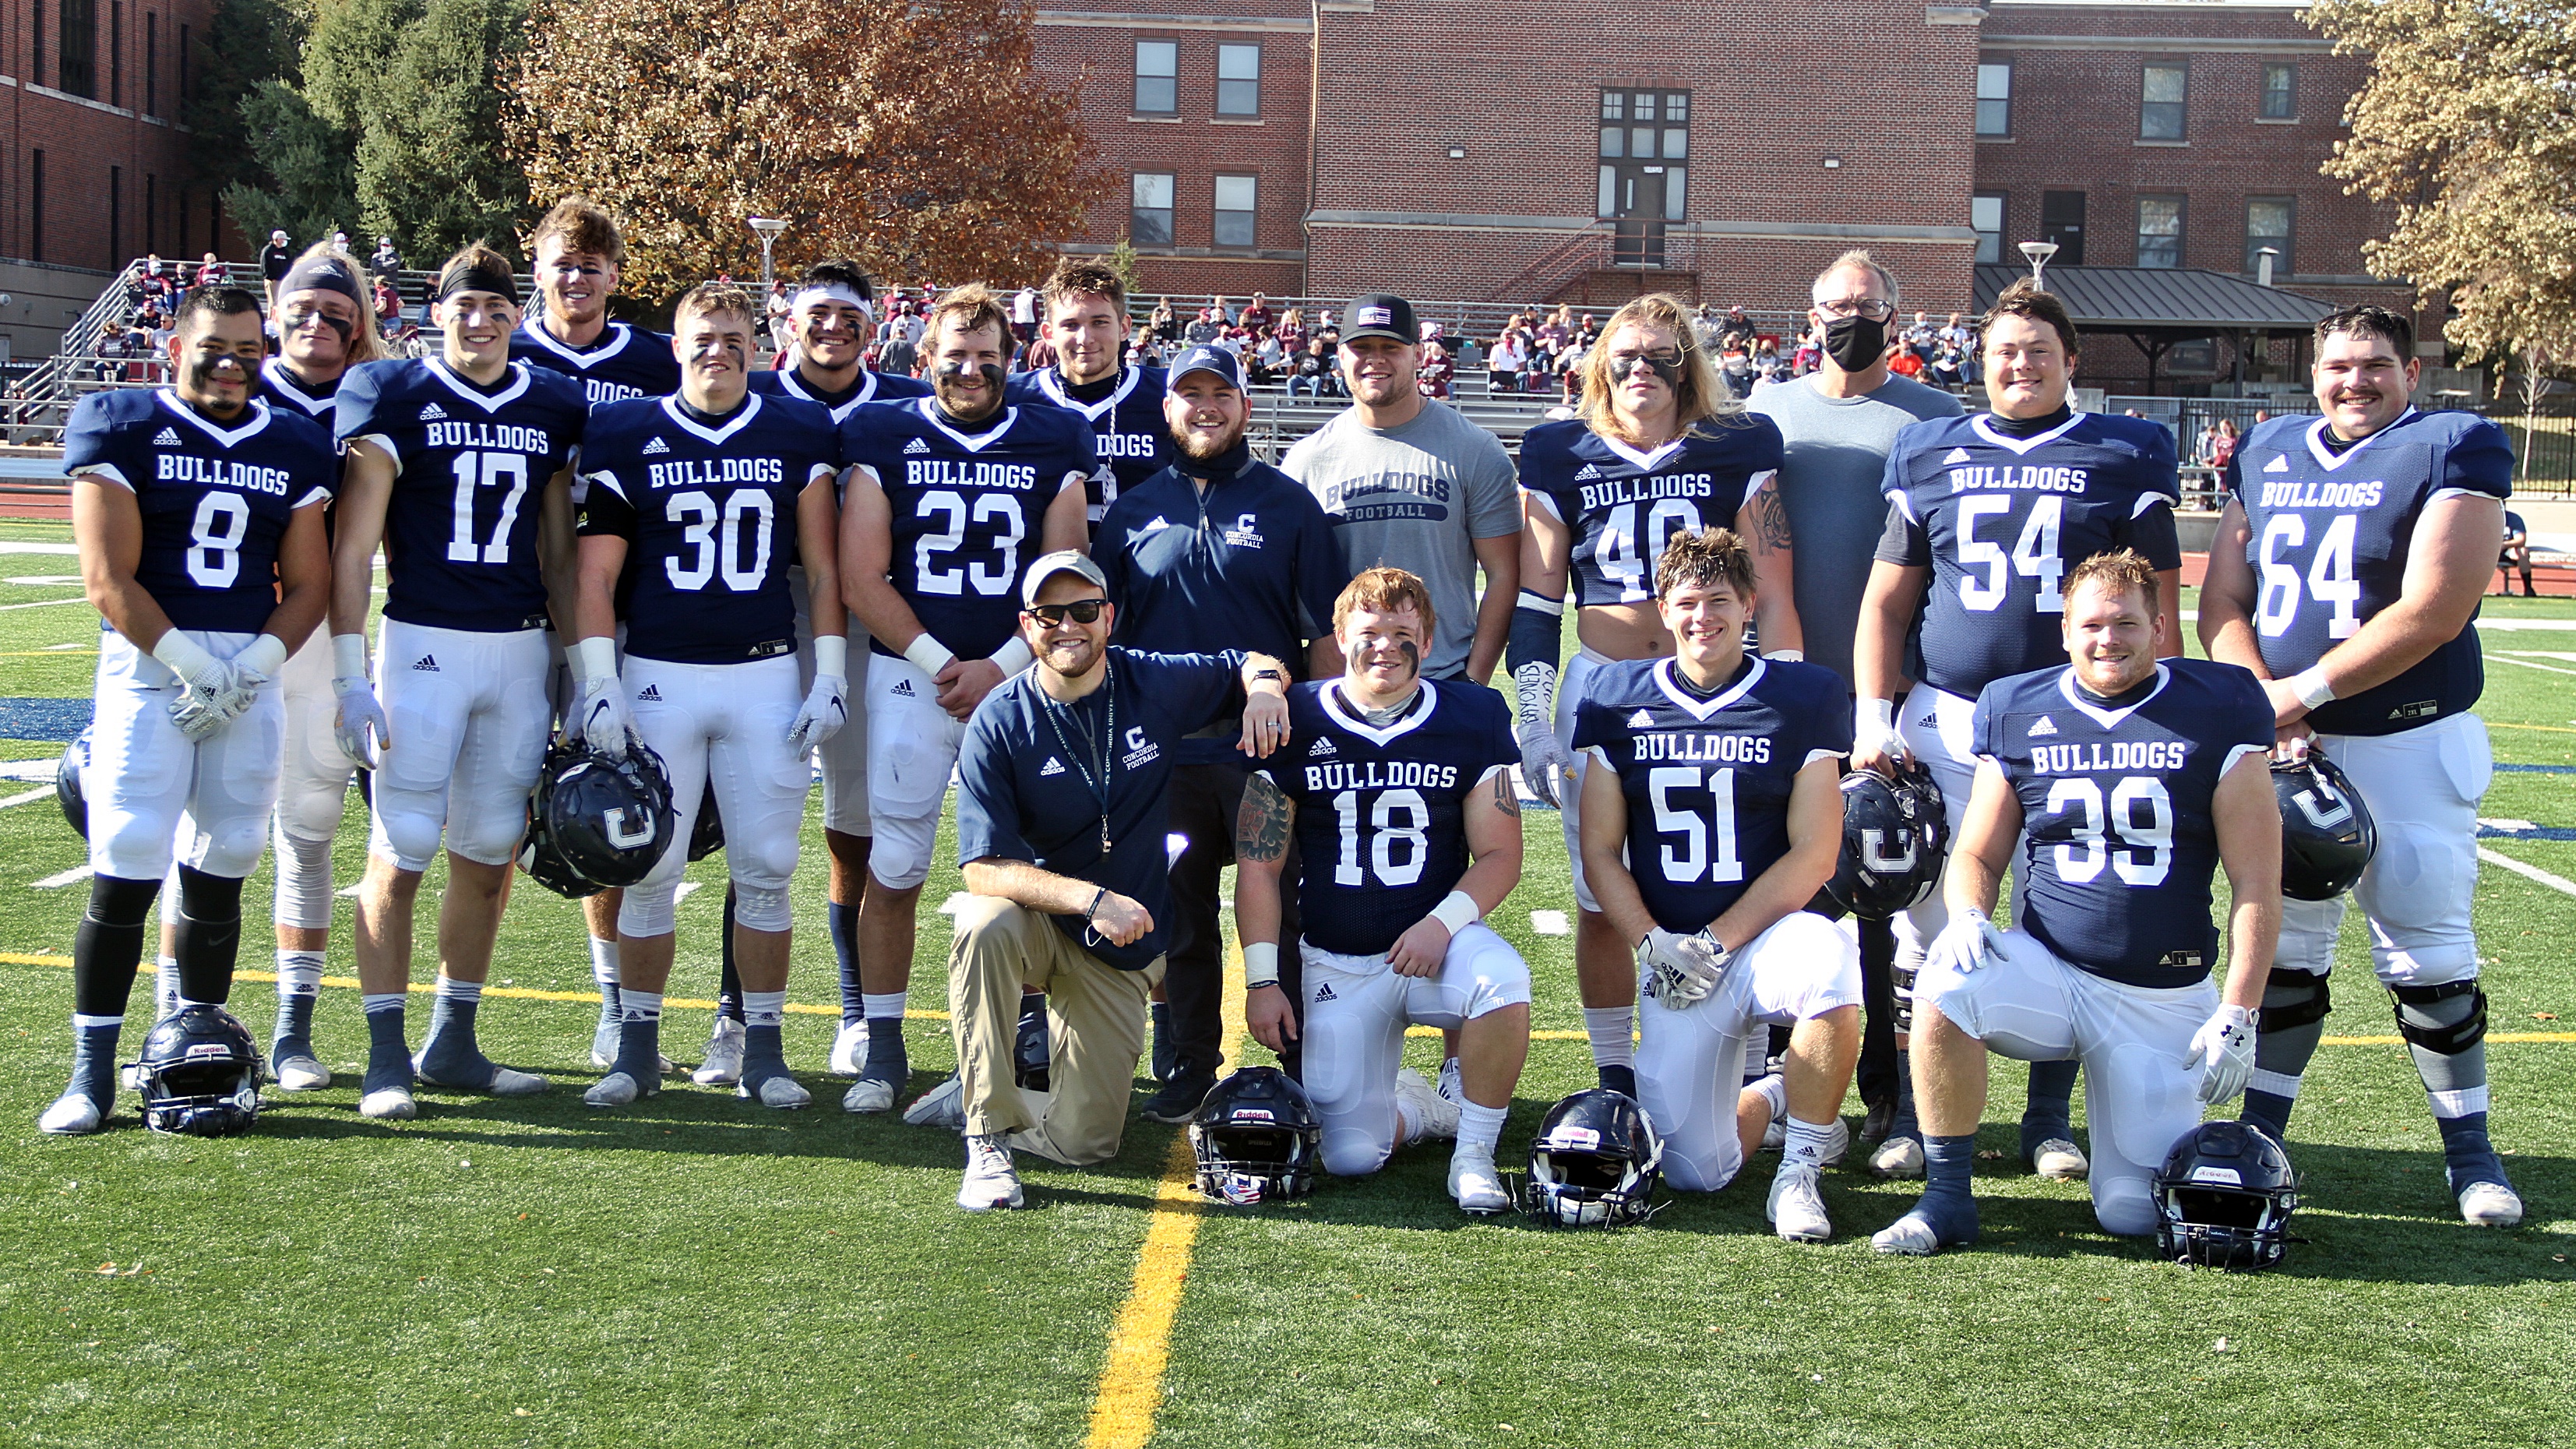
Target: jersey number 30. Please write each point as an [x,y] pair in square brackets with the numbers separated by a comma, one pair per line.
[695,512]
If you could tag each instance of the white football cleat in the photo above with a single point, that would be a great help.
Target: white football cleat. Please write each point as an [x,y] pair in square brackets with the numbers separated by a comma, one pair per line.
[511,1082]
[782,1092]
[723,1064]
[75,1114]
[1898,1157]
[849,1049]
[1796,1208]
[617,1089]
[1475,1184]
[991,1181]
[1453,1082]
[1909,1236]
[943,1106]
[302,1074]
[2059,1160]
[869,1095]
[389,1104]
[2484,1205]
[1433,1115]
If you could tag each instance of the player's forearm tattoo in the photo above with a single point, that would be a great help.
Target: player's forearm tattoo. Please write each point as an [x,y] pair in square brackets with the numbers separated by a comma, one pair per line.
[1506,799]
[1770,519]
[1261,825]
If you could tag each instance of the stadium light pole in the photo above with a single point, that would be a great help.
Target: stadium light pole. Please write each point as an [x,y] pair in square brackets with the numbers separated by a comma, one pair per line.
[2039,253]
[769,227]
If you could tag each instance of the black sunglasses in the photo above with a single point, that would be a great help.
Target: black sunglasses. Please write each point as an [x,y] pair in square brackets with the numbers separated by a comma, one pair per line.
[1084,611]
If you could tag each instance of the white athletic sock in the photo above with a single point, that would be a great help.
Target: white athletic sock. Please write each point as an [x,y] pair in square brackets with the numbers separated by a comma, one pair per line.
[1613,1030]
[1480,1127]
[374,1002]
[641,1005]
[92,1023]
[1803,1148]
[878,1005]
[165,976]
[1757,1052]
[455,990]
[603,961]
[1775,1091]
[764,1008]
[299,973]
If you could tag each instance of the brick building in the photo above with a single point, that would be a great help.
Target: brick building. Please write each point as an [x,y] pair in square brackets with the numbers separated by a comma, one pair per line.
[94,172]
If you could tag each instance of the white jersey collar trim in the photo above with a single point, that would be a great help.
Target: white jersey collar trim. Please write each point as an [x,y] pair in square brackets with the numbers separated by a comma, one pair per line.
[274,373]
[493,402]
[794,386]
[929,411]
[1696,707]
[1645,461]
[619,333]
[2330,460]
[1331,696]
[750,409]
[2109,718]
[257,409]
[1051,382]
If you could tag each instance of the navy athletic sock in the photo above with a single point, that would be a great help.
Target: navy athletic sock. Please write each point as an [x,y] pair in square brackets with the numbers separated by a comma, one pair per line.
[2051,1110]
[764,1055]
[2467,1153]
[2269,1111]
[452,1056]
[844,922]
[729,979]
[1619,1078]
[1903,1123]
[208,935]
[1948,1203]
[887,1061]
[1167,1048]
[94,1040]
[639,1040]
[388,1055]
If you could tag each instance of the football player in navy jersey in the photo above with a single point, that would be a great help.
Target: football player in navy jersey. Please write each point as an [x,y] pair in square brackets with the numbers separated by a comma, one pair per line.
[460,466]
[1985,516]
[577,252]
[1712,814]
[1660,449]
[197,513]
[704,488]
[1399,792]
[1085,319]
[2347,572]
[829,311]
[946,501]
[2123,782]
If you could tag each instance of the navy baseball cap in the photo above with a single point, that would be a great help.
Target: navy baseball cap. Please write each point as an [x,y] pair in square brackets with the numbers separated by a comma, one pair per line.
[1207,358]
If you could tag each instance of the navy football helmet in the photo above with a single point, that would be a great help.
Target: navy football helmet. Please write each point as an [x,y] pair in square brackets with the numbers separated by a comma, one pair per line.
[1594,1163]
[67,785]
[706,836]
[2327,836]
[609,819]
[199,1074]
[1895,837]
[2224,1198]
[1256,1138]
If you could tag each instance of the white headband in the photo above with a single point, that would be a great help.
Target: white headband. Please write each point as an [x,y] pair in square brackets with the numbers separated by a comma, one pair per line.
[813,292]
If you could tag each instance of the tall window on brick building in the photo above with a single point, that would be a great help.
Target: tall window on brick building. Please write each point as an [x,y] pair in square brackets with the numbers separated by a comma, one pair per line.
[183,65]
[2160,231]
[1986,219]
[151,64]
[2162,90]
[36,206]
[2280,92]
[76,66]
[1158,77]
[1235,197]
[115,217]
[1149,212]
[2268,223]
[116,52]
[1238,80]
[1994,98]
[36,41]
[151,212]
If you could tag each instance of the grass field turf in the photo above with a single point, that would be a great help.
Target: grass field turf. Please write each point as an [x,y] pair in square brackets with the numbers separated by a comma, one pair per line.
[695,1270]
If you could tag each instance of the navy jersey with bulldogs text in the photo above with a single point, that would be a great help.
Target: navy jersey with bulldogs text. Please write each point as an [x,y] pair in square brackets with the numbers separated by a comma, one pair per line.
[471,465]
[1999,520]
[871,387]
[969,508]
[1127,429]
[1708,780]
[709,516]
[278,388]
[2331,537]
[1380,809]
[1623,505]
[624,362]
[2120,829]
[215,500]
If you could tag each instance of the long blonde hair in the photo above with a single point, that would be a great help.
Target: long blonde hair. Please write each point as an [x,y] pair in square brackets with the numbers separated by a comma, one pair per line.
[1698,396]
[363,344]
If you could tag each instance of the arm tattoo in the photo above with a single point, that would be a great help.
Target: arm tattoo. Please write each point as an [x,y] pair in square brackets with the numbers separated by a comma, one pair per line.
[1770,519]
[1261,825]
[1506,799]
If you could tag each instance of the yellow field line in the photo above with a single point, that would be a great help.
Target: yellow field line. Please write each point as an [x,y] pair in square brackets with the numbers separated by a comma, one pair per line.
[2497,724]
[1140,1345]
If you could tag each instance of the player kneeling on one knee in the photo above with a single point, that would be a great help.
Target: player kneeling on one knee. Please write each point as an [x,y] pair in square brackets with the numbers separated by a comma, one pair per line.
[2135,781]
[1715,818]
[1408,830]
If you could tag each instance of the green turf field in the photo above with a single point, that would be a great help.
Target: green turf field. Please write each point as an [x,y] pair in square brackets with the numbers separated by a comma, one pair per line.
[697,1271]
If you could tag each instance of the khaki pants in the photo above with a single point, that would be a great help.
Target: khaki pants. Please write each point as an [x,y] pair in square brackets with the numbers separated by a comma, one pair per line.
[1096,1032]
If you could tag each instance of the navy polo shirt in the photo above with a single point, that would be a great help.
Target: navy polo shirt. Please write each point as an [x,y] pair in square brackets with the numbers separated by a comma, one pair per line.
[1030,779]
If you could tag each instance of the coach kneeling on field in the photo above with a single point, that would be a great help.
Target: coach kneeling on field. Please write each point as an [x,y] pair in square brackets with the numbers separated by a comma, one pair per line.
[1061,814]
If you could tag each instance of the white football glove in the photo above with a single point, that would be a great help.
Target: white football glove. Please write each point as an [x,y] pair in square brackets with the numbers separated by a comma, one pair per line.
[1968,942]
[599,714]
[360,712]
[252,670]
[2224,1046]
[1874,734]
[827,704]
[1545,762]
[1681,970]
[203,680]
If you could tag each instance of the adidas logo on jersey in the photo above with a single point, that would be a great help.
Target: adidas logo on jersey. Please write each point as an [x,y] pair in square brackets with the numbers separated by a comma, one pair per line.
[1053,766]
[656,446]
[1641,721]
[903,690]
[428,665]
[915,446]
[1587,472]
[1320,749]
[2280,464]
[1956,455]
[652,692]
[166,438]
[432,413]
[1324,993]
[2046,726]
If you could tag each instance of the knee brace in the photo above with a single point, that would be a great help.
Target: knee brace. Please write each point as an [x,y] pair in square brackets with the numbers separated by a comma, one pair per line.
[762,908]
[1903,978]
[899,858]
[303,880]
[2294,999]
[650,909]
[2436,1019]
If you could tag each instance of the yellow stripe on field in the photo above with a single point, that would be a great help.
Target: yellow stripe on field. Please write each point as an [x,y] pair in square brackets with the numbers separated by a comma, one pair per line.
[1140,1345]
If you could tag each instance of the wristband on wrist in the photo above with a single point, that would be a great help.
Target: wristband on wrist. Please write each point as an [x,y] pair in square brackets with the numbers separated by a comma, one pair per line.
[184,656]
[929,655]
[1012,657]
[832,655]
[1789,656]
[1093,909]
[264,656]
[2310,686]
[593,659]
[1260,965]
[1871,714]
[349,656]
[1457,911]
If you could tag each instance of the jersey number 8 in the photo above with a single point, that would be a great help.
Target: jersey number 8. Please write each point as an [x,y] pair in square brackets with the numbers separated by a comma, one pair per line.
[215,540]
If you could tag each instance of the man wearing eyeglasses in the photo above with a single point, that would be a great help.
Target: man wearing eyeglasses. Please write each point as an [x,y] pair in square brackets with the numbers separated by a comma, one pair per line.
[1062,805]
[1838,425]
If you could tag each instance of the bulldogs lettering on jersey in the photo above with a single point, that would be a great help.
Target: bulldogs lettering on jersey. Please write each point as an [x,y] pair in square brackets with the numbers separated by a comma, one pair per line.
[1623,505]
[709,515]
[1999,520]
[215,498]
[2117,806]
[624,361]
[471,465]
[969,508]
[1708,780]
[1127,429]
[2332,533]
[871,387]
[1380,809]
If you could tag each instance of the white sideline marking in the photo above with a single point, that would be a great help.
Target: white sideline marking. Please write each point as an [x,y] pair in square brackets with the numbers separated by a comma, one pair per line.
[2558,883]
[64,878]
[2529,664]
[47,603]
[351,892]
[687,889]
[2515,625]
[2561,655]
[29,769]
[46,581]
[1550,923]
[29,798]
[72,549]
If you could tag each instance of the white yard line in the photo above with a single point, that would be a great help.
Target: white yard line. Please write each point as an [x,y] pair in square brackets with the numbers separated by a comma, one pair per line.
[30,798]
[2558,883]
[47,603]
[67,549]
[52,882]
[2532,664]
[1549,923]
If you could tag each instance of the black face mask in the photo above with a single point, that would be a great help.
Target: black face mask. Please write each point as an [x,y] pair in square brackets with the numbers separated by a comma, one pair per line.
[1855,343]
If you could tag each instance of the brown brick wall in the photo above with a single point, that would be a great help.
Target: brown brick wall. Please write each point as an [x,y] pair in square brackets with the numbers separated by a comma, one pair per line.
[130,126]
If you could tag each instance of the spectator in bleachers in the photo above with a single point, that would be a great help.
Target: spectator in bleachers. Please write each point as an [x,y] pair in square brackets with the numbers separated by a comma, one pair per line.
[210,271]
[1907,364]
[1948,369]
[1163,325]
[1432,377]
[1314,375]
[274,260]
[1292,331]
[2222,450]
[1510,359]
[388,305]
[1257,315]
[386,264]
[1735,334]
[1267,359]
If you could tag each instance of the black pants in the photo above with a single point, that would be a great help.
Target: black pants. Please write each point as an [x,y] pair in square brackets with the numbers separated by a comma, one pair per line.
[1877,1076]
[1203,802]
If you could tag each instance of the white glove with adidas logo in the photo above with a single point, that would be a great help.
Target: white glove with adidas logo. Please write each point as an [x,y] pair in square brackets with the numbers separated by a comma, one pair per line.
[600,713]
[360,712]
